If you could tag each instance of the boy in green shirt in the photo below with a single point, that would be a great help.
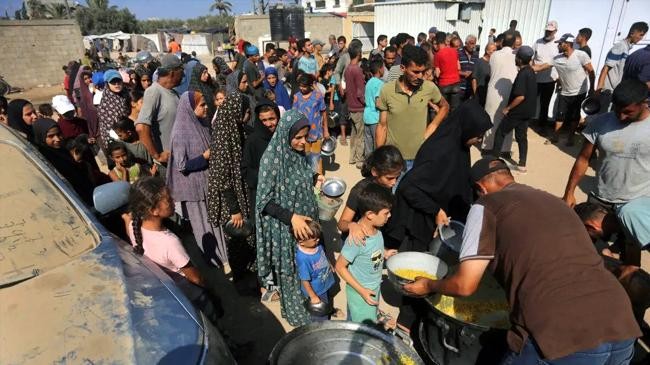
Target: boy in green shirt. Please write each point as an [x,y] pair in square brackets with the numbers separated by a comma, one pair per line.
[361,266]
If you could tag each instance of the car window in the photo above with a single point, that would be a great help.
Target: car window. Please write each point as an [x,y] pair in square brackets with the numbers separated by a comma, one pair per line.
[39,228]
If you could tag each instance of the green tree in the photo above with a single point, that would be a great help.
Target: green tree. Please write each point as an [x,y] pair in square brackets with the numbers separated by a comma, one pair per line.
[37,10]
[223,7]
[56,11]
[98,18]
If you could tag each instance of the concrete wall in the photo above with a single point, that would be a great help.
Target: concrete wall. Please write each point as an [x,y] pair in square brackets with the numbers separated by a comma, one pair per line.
[33,51]
[320,26]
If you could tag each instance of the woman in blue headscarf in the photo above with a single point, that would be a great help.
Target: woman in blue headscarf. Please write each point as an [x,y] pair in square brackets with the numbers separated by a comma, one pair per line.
[273,83]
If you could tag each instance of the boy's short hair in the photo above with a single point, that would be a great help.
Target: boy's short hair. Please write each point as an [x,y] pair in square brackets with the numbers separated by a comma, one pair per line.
[46,110]
[341,39]
[125,124]
[585,32]
[267,94]
[374,198]
[382,37]
[376,65]
[305,79]
[114,146]
[315,228]
[587,211]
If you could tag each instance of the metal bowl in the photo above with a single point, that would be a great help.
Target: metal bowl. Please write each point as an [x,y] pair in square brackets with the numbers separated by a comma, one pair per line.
[415,261]
[328,147]
[244,231]
[340,342]
[591,105]
[143,57]
[320,309]
[334,187]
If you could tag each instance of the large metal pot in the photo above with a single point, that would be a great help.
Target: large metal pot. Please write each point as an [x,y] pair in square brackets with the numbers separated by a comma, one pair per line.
[339,342]
[450,340]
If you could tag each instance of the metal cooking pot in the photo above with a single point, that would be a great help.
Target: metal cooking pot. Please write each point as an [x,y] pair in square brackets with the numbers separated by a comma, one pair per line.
[339,342]
[591,105]
[450,340]
[244,231]
[320,309]
[143,57]
[328,147]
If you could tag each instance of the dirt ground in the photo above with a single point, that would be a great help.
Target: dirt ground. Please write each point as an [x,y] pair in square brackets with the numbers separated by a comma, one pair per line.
[262,325]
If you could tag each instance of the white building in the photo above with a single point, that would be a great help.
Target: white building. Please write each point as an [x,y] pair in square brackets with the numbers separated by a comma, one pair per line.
[609,20]
[327,6]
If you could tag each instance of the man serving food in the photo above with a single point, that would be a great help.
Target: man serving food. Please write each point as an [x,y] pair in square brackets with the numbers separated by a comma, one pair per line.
[565,308]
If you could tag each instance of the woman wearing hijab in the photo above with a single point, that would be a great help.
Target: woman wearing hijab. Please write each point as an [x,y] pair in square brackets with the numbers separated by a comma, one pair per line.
[438,186]
[84,100]
[48,139]
[200,81]
[221,71]
[285,199]
[187,175]
[143,78]
[272,82]
[71,71]
[114,106]
[20,116]
[227,192]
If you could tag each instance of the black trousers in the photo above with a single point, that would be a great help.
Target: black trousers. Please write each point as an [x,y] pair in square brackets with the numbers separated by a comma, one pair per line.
[545,92]
[520,125]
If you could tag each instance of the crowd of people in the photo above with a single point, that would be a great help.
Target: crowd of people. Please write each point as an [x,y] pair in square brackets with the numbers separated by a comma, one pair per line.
[241,147]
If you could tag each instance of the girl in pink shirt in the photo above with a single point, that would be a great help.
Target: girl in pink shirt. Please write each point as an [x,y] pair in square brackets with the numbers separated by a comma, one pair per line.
[149,203]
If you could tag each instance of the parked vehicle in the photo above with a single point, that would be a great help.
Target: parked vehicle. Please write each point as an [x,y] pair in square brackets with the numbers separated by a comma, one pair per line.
[71,291]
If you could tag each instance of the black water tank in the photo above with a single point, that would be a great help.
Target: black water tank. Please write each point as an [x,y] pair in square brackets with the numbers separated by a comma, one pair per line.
[276,18]
[294,21]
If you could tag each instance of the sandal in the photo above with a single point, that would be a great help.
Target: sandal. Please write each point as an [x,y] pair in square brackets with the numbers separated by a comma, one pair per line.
[270,296]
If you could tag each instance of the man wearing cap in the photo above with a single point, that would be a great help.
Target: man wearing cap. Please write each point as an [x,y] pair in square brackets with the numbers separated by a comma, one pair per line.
[565,308]
[158,113]
[573,66]
[307,63]
[545,49]
[250,67]
[612,72]
[521,106]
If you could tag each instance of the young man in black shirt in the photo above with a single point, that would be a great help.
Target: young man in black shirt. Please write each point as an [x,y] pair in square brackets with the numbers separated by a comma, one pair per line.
[521,106]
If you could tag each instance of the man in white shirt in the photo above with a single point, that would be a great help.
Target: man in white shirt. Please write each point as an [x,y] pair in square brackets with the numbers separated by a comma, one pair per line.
[545,49]
[573,66]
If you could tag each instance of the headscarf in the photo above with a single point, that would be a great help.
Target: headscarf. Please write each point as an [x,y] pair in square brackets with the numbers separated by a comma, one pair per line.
[189,139]
[224,173]
[440,175]
[281,94]
[232,81]
[61,159]
[224,69]
[112,109]
[73,70]
[15,118]
[285,178]
[84,99]
[205,88]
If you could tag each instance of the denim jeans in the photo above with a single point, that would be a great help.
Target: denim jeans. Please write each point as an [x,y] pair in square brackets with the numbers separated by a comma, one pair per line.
[369,131]
[608,353]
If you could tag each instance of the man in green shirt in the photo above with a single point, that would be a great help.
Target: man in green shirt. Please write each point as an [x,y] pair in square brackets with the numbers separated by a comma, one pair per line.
[404,105]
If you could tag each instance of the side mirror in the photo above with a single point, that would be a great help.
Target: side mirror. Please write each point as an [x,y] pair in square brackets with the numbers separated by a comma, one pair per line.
[111,196]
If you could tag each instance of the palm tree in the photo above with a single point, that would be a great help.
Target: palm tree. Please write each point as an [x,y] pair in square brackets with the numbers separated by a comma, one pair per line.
[221,6]
[56,11]
[37,9]
[98,4]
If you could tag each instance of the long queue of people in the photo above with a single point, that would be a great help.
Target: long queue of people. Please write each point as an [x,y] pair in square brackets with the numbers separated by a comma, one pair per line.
[243,147]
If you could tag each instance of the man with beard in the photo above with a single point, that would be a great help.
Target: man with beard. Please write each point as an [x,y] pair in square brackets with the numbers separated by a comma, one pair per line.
[403,106]
[390,53]
[624,148]
[545,49]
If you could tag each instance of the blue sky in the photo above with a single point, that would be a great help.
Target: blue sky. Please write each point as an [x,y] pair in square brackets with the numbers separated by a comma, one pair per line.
[144,9]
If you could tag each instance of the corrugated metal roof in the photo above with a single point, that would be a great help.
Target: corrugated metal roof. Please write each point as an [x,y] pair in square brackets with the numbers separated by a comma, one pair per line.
[416,17]
[530,14]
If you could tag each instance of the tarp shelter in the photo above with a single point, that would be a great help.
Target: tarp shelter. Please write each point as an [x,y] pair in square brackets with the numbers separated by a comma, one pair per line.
[114,40]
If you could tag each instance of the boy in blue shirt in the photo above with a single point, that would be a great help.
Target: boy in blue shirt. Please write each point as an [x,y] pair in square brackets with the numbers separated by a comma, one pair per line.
[361,266]
[314,270]
[370,112]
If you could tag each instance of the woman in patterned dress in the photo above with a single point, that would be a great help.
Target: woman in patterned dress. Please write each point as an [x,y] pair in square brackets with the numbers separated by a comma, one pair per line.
[114,106]
[285,198]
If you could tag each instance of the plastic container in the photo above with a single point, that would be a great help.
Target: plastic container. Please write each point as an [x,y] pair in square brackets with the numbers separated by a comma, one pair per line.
[327,207]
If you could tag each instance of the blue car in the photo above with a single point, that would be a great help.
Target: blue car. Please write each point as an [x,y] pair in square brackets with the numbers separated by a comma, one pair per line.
[72,292]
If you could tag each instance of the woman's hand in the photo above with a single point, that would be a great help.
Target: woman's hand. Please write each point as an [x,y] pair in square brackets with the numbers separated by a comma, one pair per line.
[442,219]
[300,227]
[206,155]
[319,181]
[357,234]
[237,220]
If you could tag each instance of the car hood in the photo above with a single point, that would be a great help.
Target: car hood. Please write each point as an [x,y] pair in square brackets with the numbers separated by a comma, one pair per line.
[106,306]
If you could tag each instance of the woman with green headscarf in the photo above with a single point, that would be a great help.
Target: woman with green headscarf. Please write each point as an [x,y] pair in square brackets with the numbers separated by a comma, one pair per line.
[200,81]
[285,198]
